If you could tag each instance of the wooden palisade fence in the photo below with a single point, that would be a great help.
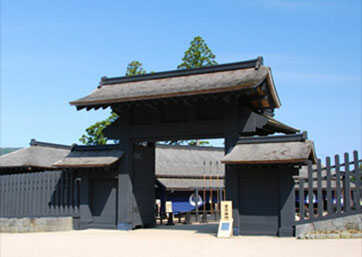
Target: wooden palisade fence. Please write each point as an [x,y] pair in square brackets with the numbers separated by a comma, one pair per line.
[39,194]
[330,191]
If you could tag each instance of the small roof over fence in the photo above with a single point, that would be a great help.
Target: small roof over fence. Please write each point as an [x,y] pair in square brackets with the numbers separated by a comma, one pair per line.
[192,161]
[184,167]
[90,156]
[241,76]
[39,155]
[272,150]
[186,184]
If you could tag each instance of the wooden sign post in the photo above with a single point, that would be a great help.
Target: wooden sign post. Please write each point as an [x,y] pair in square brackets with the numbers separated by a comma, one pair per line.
[226,220]
[169,212]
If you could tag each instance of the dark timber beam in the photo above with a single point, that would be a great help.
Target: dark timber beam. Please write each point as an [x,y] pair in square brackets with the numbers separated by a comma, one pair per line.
[248,122]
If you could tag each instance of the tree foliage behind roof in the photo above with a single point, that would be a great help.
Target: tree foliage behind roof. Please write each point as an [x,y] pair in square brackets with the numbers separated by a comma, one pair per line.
[198,55]
[94,133]
[135,68]
[7,150]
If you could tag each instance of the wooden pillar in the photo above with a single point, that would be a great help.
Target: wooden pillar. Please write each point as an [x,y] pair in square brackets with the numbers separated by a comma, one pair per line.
[124,199]
[84,210]
[163,203]
[196,205]
[231,132]
[143,184]
[136,196]
[286,201]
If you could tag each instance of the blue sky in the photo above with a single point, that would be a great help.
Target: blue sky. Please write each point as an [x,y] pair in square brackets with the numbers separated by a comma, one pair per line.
[53,52]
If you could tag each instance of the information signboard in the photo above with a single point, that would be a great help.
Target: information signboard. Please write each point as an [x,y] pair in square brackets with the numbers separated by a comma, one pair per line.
[226,221]
[169,207]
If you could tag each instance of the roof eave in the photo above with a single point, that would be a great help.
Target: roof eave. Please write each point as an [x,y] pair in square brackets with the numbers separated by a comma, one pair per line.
[95,103]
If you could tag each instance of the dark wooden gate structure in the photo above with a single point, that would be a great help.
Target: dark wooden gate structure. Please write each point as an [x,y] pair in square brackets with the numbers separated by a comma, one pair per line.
[222,101]
[260,182]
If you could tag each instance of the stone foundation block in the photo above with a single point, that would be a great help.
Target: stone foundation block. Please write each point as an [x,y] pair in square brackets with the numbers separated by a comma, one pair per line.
[43,224]
[343,227]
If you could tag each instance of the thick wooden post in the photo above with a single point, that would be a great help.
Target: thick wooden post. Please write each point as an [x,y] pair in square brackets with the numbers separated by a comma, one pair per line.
[287,202]
[143,185]
[84,210]
[310,191]
[319,189]
[16,196]
[231,130]
[2,195]
[357,178]
[338,196]
[125,206]
[346,180]
[301,199]
[329,191]
[196,205]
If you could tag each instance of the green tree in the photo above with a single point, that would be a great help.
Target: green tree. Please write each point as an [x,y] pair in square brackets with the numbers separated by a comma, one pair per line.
[94,134]
[198,55]
[135,68]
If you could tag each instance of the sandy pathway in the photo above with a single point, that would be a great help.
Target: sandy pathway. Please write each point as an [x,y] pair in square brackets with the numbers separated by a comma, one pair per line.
[178,241]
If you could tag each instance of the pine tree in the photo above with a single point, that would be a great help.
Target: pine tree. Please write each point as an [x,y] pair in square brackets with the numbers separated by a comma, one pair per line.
[198,55]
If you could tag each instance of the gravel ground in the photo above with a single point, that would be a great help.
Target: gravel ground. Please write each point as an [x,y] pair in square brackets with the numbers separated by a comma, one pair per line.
[164,241]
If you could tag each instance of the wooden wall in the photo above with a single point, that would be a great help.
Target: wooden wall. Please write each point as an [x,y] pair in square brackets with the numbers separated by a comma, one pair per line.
[38,194]
[263,199]
[144,185]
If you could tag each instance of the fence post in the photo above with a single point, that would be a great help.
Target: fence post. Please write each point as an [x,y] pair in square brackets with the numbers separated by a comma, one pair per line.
[71,200]
[39,194]
[67,191]
[357,181]
[76,196]
[2,207]
[5,192]
[61,192]
[319,189]
[310,190]
[1,196]
[301,199]
[32,193]
[49,194]
[204,211]
[329,192]
[27,196]
[338,186]
[54,199]
[347,180]
[221,197]
[8,192]
[15,200]
[196,205]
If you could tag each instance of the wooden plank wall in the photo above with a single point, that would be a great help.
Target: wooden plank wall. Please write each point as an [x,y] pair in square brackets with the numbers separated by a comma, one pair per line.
[38,194]
[330,191]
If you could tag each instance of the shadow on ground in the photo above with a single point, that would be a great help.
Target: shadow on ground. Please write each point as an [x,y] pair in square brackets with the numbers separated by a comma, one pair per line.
[197,228]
